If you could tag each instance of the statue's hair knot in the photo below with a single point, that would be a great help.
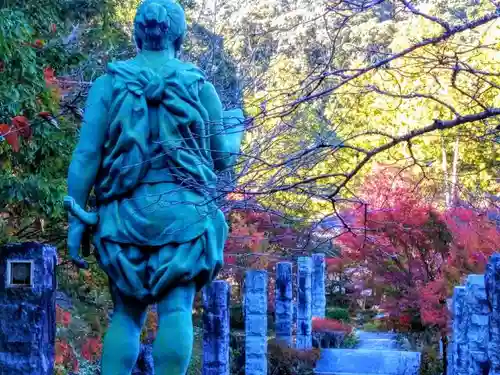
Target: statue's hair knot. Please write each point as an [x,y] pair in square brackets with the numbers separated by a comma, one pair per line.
[158,22]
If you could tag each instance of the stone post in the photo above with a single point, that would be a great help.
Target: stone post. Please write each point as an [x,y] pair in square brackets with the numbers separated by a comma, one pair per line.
[27,309]
[477,324]
[255,322]
[318,286]
[457,361]
[144,364]
[492,284]
[216,301]
[451,339]
[283,308]
[304,306]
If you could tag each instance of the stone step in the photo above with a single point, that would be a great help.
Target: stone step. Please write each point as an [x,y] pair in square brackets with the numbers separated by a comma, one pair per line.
[378,344]
[363,335]
[367,362]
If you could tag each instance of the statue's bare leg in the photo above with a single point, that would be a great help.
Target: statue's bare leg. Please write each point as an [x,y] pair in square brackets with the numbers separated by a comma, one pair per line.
[174,341]
[122,341]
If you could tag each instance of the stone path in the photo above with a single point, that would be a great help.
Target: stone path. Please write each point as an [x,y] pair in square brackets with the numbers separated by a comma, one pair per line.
[376,353]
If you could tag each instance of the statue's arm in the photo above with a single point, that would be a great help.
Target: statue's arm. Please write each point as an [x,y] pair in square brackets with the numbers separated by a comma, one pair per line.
[87,156]
[226,134]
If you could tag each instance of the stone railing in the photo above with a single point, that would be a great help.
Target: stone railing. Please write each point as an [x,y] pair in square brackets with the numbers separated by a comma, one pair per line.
[310,294]
[475,341]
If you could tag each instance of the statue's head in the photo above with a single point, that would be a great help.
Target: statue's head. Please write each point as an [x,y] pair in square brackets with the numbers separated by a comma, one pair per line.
[159,25]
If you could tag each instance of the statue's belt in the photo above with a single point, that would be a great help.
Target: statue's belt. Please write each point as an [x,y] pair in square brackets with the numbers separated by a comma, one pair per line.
[88,218]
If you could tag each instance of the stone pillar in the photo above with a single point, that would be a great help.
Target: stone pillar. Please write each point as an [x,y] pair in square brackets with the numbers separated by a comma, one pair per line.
[216,301]
[27,309]
[144,364]
[304,305]
[477,324]
[255,322]
[318,286]
[284,308]
[449,353]
[457,360]
[492,284]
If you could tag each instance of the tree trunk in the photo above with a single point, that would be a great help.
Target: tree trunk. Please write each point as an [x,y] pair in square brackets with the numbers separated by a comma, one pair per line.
[446,179]
[454,172]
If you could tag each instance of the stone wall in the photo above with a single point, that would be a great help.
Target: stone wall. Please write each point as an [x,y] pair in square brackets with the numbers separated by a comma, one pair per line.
[475,341]
[492,285]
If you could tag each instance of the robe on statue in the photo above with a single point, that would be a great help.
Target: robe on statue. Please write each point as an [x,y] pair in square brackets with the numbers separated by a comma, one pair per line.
[159,225]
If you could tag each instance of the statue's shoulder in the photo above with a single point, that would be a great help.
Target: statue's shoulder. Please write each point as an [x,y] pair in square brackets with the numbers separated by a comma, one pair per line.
[100,88]
[132,67]
[190,67]
[188,73]
[102,81]
[122,67]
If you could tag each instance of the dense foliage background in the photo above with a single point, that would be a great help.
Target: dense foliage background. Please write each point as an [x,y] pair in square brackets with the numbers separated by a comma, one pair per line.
[373,137]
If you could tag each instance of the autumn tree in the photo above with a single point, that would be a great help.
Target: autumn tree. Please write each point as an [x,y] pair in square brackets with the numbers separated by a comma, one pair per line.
[330,88]
[415,252]
[336,87]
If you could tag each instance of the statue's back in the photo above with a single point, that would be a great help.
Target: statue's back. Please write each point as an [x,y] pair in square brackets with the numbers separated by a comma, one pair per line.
[157,172]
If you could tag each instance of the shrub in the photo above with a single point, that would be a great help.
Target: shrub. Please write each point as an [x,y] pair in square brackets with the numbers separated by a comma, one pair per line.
[350,341]
[375,326]
[330,333]
[237,320]
[338,313]
[283,360]
[431,363]
[237,352]
[330,325]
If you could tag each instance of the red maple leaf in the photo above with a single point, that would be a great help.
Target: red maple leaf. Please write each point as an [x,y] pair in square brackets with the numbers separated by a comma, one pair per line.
[10,135]
[91,349]
[62,351]
[22,125]
[66,318]
[50,77]
[75,365]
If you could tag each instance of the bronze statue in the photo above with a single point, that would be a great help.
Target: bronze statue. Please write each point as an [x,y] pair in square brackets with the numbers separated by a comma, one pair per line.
[153,138]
